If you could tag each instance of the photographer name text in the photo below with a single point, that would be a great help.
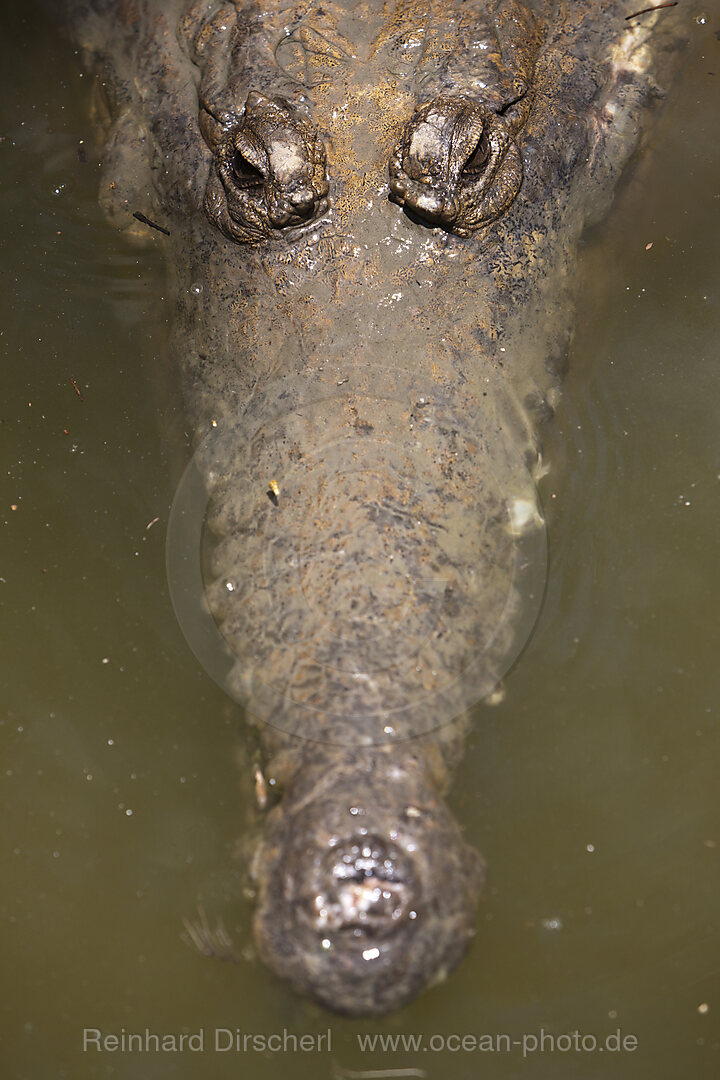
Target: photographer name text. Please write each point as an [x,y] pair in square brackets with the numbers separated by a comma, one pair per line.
[219,1040]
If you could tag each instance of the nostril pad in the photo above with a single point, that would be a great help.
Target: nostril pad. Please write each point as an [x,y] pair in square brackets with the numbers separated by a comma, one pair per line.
[367,886]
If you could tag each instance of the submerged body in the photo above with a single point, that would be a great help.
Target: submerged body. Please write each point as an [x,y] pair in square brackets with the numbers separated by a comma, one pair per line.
[374,209]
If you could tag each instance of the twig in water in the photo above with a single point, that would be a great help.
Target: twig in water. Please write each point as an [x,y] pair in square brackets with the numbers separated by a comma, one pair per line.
[152,224]
[655,7]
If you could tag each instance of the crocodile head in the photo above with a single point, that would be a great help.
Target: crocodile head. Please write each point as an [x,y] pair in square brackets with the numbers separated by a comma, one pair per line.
[374,210]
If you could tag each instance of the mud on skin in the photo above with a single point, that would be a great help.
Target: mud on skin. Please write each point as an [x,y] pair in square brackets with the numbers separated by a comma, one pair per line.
[374,210]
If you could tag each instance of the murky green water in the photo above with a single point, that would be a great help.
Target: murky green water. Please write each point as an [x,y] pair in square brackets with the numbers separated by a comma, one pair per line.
[592,789]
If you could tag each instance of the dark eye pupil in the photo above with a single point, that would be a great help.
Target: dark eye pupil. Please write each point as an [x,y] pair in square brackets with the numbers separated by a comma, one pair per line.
[478,159]
[245,173]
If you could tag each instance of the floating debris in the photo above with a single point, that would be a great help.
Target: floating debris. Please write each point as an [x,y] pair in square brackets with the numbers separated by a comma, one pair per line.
[496,695]
[152,224]
[261,792]
[76,388]
[655,7]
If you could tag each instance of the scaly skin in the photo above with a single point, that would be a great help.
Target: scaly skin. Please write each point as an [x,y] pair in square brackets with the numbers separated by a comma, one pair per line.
[387,366]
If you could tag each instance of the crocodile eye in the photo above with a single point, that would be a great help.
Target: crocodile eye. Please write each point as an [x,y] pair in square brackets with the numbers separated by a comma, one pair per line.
[478,159]
[246,175]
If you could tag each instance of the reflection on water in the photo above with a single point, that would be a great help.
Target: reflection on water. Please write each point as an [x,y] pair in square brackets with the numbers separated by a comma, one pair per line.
[591,789]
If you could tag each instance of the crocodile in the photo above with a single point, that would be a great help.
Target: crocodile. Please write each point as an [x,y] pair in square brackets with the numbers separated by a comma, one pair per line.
[373,210]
